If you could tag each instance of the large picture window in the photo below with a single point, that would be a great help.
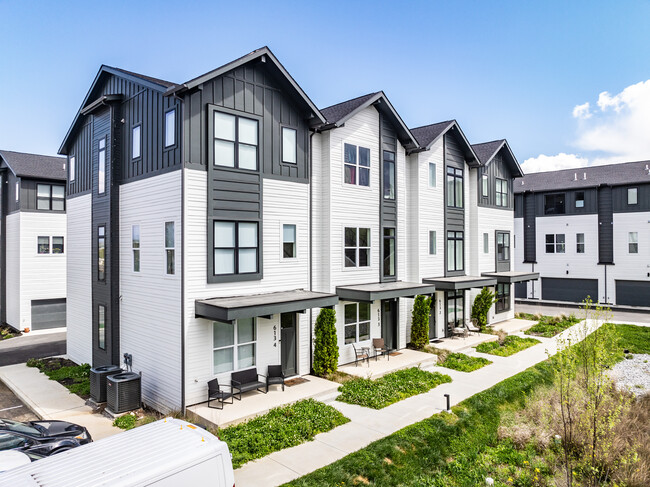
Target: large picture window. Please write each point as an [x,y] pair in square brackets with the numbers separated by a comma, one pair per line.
[50,197]
[554,204]
[235,248]
[101,253]
[357,322]
[389,175]
[454,187]
[356,165]
[503,298]
[234,345]
[235,141]
[389,252]
[555,243]
[455,251]
[357,247]
[501,192]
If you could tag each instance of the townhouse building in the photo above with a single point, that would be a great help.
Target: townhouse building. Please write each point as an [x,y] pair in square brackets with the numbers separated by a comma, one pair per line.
[587,232]
[213,219]
[32,241]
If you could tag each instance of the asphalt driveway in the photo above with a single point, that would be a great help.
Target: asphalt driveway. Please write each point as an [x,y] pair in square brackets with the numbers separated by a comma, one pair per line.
[20,349]
[13,408]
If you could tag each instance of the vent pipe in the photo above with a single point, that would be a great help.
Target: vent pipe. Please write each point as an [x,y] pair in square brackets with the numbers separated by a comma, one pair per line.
[575,176]
[584,176]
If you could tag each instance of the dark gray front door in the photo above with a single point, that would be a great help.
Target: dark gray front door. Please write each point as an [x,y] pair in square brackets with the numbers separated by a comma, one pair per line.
[288,343]
[389,322]
[433,333]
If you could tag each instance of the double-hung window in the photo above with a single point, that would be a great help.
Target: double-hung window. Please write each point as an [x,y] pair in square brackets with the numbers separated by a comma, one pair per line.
[503,246]
[57,245]
[135,247]
[485,188]
[235,248]
[455,252]
[432,175]
[357,322]
[43,245]
[50,197]
[357,247]
[288,241]
[580,243]
[503,298]
[170,127]
[101,253]
[501,192]
[170,248]
[235,141]
[234,345]
[389,252]
[389,175]
[101,167]
[632,196]
[289,145]
[356,165]
[555,243]
[454,187]
[633,242]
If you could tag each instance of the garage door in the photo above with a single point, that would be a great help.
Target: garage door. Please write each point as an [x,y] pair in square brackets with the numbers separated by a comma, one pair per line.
[572,290]
[633,293]
[48,313]
[521,290]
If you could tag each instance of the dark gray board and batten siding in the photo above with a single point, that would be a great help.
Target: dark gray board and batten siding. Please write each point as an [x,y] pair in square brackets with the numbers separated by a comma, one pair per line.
[387,207]
[605,226]
[530,250]
[497,168]
[454,217]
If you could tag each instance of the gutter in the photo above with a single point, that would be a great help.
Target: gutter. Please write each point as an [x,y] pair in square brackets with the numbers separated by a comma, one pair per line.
[311,252]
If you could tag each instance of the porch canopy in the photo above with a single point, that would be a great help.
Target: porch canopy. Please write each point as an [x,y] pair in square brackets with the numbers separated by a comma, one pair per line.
[230,308]
[458,283]
[383,290]
[511,277]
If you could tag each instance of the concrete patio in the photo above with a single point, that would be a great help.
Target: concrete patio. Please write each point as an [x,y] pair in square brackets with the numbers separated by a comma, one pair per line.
[256,403]
[514,325]
[458,344]
[402,359]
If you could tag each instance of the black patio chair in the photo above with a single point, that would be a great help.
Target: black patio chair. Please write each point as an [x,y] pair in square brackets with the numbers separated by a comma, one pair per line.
[274,376]
[219,393]
[361,354]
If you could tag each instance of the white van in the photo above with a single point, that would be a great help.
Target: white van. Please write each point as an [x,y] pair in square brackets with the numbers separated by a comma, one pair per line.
[167,453]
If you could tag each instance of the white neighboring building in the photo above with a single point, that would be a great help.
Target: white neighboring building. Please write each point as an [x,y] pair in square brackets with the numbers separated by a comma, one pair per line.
[32,241]
[586,232]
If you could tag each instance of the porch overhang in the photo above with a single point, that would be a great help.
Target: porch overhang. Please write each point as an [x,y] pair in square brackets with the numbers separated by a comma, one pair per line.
[231,308]
[512,277]
[383,290]
[458,283]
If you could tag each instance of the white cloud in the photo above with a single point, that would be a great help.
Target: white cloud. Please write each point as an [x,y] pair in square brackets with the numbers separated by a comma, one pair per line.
[544,163]
[613,132]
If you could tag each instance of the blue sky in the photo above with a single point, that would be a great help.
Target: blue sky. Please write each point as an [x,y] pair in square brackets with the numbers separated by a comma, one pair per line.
[502,69]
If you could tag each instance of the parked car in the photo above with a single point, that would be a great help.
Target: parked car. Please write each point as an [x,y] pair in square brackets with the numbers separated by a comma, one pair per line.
[41,437]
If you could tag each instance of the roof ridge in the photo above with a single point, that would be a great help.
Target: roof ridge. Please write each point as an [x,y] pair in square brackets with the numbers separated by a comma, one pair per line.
[145,77]
[351,99]
[30,153]
[489,142]
[432,124]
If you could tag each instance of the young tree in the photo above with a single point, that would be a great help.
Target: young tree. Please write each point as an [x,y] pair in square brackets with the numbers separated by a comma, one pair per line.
[420,321]
[326,349]
[482,304]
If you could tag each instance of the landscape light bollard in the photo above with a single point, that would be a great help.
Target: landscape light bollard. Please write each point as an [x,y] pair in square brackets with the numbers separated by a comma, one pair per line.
[448,402]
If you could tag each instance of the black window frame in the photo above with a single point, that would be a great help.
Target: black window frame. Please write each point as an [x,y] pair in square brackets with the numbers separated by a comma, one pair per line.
[453,175]
[501,193]
[636,196]
[295,146]
[358,167]
[40,247]
[101,166]
[357,323]
[292,246]
[579,249]
[503,248]
[170,249]
[54,246]
[50,198]
[502,303]
[101,260]
[632,247]
[456,236]
[455,296]
[390,243]
[389,164]
[101,327]
[236,142]
[171,145]
[579,198]
[553,244]
[139,155]
[554,207]
[236,249]
[357,248]
[433,245]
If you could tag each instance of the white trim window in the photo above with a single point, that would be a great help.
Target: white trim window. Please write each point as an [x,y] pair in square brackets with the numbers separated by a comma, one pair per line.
[136,142]
[170,127]
[71,164]
[632,196]
[289,145]
[357,322]
[43,245]
[289,242]
[357,247]
[234,345]
[170,249]
[633,242]
[356,165]
[135,247]
[57,245]
[580,243]
[432,242]
[555,243]
[432,175]
[101,163]
[235,141]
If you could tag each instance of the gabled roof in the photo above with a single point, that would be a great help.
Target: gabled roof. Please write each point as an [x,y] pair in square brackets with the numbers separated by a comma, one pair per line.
[338,114]
[487,150]
[428,134]
[34,165]
[585,177]
[264,54]
[148,81]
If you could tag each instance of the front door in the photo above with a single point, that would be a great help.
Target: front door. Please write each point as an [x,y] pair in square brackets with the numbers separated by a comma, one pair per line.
[433,333]
[455,310]
[503,251]
[389,322]
[288,343]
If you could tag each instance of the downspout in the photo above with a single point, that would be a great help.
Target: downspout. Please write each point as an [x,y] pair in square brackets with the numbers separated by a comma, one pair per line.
[311,251]
[606,297]
[182,146]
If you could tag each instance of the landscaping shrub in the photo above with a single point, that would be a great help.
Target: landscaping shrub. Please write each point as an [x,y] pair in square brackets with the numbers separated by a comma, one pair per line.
[482,304]
[511,345]
[420,322]
[326,350]
[280,428]
[76,378]
[549,326]
[126,422]
[390,388]
[464,363]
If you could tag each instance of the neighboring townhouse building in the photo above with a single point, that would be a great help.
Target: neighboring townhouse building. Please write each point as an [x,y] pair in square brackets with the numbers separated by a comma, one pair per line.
[210,221]
[586,232]
[32,241]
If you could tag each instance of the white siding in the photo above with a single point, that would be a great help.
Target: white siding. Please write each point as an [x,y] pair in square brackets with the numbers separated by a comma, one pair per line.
[284,202]
[150,304]
[12,285]
[79,279]
[632,267]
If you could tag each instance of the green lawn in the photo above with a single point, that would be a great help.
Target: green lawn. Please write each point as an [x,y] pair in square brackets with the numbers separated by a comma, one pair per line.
[390,388]
[549,326]
[636,339]
[464,363]
[511,345]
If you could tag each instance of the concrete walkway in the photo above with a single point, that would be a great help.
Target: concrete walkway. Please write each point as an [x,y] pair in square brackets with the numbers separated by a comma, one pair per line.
[50,400]
[368,425]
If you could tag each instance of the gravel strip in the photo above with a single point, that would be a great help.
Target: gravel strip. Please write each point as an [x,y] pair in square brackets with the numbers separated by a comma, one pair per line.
[633,374]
